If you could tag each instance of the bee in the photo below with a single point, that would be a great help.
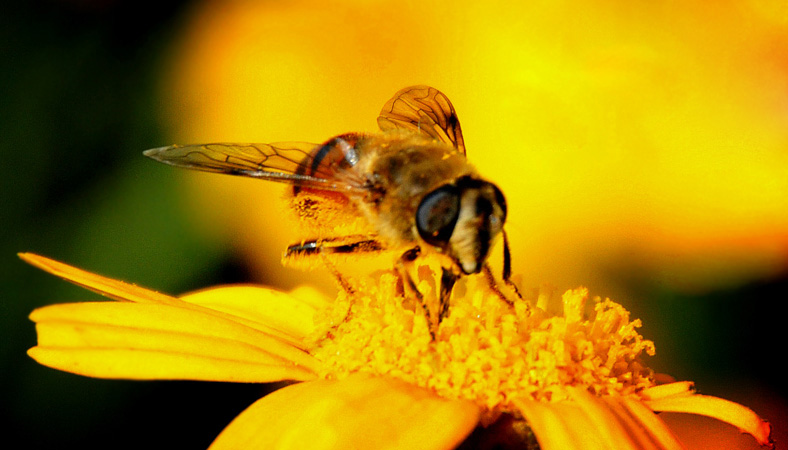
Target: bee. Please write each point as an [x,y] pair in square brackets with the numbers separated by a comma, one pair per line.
[410,186]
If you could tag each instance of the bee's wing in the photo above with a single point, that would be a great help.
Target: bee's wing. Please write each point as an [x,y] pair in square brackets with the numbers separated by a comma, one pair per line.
[425,110]
[284,162]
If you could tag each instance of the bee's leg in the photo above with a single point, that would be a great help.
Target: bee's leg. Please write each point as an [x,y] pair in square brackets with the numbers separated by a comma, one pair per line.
[409,286]
[507,273]
[321,248]
[494,285]
[448,278]
[507,266]
[341,280]
[336,245]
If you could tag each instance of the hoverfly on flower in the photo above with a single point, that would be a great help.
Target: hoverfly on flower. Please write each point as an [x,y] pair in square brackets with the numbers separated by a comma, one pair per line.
[410,185]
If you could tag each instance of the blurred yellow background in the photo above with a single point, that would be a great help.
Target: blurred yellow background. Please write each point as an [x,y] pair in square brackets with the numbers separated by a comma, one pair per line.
[642,148]
[651,136]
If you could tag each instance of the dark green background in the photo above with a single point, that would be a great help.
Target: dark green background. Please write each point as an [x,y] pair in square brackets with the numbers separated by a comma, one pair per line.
[78,105]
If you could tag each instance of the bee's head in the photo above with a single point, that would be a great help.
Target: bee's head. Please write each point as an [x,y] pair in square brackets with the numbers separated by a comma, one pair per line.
[461,219]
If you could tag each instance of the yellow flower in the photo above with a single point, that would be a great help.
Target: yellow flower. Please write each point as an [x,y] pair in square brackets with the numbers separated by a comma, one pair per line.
[568,374]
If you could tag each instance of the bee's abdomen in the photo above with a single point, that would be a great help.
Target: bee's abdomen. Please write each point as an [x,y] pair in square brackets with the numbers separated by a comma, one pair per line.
[337,155]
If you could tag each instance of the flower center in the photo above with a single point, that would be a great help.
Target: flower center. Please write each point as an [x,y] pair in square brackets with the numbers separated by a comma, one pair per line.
[485,350]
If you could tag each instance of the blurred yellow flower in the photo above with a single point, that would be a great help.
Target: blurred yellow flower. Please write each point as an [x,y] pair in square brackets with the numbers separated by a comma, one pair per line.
[372,376]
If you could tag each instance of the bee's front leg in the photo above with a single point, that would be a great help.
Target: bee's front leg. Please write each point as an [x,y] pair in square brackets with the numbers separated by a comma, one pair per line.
[406,284]
[448,278]
[494,285]
[507,273]
[409,286]
[507,266]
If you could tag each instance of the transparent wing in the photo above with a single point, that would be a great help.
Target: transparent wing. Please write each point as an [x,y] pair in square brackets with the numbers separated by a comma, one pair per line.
[425,110]
[285,162]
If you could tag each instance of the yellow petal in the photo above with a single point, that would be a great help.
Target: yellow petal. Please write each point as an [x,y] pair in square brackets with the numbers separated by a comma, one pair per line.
[727,411]
[679,388]
[361,412]
[591,422]
[121,291]
[144,341]
[656,429]
[158,365]
[282,312]
[560,426]
[113,289]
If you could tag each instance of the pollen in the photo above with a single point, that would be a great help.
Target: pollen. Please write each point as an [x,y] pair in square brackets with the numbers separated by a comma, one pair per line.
[486,350]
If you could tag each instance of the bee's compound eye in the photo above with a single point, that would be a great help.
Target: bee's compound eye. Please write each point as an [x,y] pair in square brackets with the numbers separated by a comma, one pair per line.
[501,200]
[437,215]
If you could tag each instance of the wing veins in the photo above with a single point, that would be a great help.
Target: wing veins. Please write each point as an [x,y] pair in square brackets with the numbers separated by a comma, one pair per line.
[263,161]
[425,110]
